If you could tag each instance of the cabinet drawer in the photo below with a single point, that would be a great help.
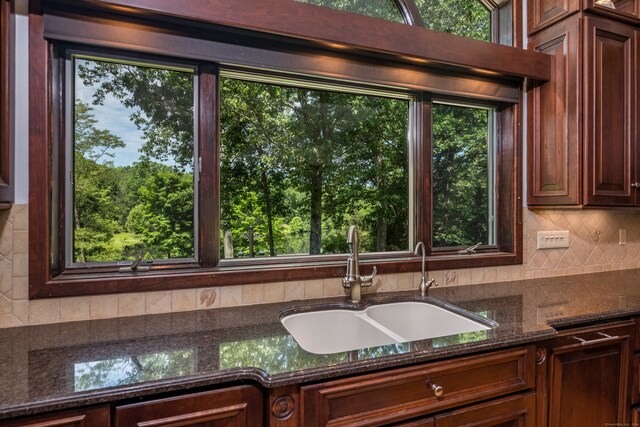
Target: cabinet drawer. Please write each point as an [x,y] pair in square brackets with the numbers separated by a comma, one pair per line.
[235,406]
[410,392]
[512,411]
[94,417]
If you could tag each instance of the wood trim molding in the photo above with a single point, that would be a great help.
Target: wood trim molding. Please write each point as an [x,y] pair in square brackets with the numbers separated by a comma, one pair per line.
[39,143]
[46,281]
[6,103]
[328,26]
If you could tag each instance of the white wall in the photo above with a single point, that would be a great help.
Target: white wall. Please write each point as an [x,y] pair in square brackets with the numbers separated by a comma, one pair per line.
[21,102]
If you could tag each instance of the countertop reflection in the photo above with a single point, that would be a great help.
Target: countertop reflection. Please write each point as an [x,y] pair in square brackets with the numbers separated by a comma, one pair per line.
[49,367]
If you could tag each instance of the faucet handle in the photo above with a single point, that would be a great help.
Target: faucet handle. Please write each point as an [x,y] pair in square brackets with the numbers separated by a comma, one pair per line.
[368,280]
[424,286]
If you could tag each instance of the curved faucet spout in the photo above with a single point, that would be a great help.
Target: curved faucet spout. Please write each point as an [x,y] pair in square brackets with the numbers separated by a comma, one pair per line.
[425,284]
[352,235]
[352,279]
[420,246]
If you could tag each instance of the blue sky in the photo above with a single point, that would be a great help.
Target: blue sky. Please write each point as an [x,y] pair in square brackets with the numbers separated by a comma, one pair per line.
[115,117]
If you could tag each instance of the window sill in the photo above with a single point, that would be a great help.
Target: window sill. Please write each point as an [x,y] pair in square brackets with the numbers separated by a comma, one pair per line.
[67,285]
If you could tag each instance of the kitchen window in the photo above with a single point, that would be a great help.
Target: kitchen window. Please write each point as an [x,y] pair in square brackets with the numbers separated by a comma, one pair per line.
[298,166]
[226,160]
[463,170]
[129,177]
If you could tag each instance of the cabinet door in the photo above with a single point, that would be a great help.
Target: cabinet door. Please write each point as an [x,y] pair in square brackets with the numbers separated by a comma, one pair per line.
[233,407]
[97,417]
[589,376]
[542,13]
[514,411]
[609,112]
[626,9]
[554,131]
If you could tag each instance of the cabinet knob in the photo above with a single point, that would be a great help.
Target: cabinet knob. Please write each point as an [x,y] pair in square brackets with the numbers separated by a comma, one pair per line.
[437,390]
[636,184]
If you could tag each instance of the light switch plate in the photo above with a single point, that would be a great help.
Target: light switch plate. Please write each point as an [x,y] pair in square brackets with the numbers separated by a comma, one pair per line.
[553,239]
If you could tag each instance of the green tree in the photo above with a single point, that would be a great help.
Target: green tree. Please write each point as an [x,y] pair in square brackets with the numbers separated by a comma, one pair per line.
[468,18]
[133,369]
[460,175]
[251,116]
[151,203]
[164,216]
[384,9]
[161,99]
[95,187]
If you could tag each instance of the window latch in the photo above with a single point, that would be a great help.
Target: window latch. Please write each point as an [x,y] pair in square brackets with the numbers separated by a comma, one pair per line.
[135,266]
[470,249]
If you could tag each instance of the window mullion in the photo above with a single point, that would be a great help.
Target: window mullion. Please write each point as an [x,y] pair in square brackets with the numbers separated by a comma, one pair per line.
[421,163]
[208,147]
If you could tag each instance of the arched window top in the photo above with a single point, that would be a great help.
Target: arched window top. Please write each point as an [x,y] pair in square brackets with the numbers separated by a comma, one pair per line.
[383,9]
[467,18]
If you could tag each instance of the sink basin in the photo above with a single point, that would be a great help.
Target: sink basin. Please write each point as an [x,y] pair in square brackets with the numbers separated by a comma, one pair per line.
[415,321]
[335,331]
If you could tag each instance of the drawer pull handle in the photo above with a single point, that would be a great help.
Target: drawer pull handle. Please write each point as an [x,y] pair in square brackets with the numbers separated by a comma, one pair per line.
[604,338]
[437,390]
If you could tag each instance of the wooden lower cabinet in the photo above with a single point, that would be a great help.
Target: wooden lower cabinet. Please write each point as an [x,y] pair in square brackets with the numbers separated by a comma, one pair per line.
[512,411]
[581,378]
[393,396]
[231,407]
[94,417]
[587,377]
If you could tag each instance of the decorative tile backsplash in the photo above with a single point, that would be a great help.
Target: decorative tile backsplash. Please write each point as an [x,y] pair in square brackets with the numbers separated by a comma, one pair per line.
[593,246]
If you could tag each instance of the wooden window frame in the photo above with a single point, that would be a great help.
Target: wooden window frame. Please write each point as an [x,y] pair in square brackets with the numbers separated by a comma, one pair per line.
[6,105]
[172,35]
[206,76]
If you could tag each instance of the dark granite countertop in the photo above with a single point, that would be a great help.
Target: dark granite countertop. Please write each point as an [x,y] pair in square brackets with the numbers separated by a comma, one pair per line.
[45,368]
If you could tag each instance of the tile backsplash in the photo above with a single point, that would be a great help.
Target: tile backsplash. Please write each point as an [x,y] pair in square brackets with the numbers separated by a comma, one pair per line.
[593,246]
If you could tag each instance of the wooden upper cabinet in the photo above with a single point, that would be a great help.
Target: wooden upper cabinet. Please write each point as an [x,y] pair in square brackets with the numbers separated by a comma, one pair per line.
[542,13]
[231,407]
[554,119]
[628,10]
[609,113]
[582,141]
[6,149]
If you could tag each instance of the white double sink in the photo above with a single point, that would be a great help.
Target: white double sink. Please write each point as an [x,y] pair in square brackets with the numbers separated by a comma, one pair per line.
[336,331]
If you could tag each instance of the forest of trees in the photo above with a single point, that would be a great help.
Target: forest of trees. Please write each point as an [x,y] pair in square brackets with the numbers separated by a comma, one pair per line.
[297,166]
